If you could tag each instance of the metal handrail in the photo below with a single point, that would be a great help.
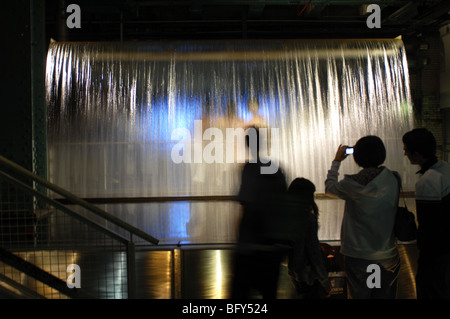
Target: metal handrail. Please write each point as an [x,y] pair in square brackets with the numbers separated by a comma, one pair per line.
[76,200]
[189,198]
[31,191]
[43,276]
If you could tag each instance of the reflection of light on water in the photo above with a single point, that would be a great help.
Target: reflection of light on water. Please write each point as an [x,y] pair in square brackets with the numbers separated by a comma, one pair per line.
[179,217]
[219,276]
[53,261]
[119,276]
[208,273]
[408,269]
[411,274]
[155,280]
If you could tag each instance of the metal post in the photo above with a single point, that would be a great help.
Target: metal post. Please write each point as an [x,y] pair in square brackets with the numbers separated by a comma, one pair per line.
[176,274]
[38,103]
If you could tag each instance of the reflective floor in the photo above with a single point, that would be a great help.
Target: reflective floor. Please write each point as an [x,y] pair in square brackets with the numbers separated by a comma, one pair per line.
[205,273]
[189,272]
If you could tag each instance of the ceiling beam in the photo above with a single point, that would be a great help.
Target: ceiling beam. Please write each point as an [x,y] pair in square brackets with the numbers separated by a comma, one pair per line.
[267,2]
[432,14]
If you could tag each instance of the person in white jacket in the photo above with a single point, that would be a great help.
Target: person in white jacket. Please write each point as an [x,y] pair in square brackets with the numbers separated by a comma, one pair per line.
[432,193]
[368,242]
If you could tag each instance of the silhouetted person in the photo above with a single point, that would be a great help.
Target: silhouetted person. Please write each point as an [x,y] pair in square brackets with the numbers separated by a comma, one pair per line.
[306,265]
[367,236]
[433,214]
[258,255]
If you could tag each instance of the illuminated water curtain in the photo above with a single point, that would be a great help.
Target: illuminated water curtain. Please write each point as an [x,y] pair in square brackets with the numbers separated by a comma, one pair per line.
[115,110]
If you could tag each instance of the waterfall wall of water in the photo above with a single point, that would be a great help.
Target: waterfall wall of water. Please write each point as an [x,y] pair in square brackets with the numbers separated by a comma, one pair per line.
[114,109]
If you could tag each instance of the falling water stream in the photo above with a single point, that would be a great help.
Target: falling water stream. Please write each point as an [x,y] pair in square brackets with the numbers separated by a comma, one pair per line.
[114,109]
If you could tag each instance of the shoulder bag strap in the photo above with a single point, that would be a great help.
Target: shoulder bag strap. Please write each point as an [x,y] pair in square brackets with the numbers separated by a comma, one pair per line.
[400,189]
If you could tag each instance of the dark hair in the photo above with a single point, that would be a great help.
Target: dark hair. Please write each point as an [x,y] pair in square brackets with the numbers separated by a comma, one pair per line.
[422,141]
[302,186]
[369,151]
[304,189]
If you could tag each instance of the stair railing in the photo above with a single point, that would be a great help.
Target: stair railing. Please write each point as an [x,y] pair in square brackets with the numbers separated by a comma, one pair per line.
[32,185]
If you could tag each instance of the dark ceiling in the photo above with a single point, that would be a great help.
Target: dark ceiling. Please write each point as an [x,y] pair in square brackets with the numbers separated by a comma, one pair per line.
[140,20]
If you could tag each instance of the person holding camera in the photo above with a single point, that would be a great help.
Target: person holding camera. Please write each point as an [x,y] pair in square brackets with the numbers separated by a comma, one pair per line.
[367,238]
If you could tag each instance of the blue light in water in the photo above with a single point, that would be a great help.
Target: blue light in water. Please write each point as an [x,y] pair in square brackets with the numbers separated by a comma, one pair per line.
[160,123]
[179,216]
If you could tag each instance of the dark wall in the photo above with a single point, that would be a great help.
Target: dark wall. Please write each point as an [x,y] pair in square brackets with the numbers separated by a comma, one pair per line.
[23,112]
[423,52]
